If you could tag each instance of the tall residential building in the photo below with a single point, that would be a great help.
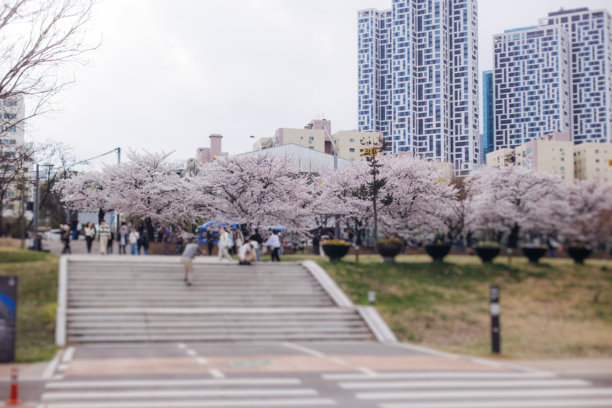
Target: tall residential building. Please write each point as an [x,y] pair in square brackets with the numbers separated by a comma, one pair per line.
[418,79]
[12,114]
[590,35]
[487,141]
[12,117]
[556,76]
[531,84]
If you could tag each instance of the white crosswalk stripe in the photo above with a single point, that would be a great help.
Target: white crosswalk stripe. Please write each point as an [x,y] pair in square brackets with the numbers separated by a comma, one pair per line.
[472,390]
[182,393]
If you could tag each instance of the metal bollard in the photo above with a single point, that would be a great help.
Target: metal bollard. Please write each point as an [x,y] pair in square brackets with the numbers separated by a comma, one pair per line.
[14,399]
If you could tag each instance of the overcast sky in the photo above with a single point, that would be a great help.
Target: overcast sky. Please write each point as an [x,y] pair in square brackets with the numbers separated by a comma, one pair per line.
[170,73]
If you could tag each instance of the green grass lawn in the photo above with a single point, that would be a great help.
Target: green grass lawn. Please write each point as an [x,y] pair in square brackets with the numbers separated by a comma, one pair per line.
[552,310]
[37,301]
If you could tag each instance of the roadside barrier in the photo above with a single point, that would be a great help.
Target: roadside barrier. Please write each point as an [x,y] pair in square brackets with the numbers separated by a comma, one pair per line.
[14,399]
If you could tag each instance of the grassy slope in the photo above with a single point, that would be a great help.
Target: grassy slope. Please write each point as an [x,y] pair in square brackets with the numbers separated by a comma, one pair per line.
[551,310]
[37,296]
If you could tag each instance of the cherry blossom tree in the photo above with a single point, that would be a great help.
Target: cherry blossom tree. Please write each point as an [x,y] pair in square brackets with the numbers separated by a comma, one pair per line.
[336,197]
[516,198]
[255,190]
[590,203]
[411,202]
[84,191]
[421,197]
[455,213]
[147,187]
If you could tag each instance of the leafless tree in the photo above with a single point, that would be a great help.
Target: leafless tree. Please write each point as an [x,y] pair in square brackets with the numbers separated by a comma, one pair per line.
[13,164]
[40,40]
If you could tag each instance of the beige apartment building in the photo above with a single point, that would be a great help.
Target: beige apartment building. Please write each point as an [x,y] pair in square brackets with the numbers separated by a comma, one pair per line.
[555,153]
[314,136]
[593,161]
[500,158]
[351,143]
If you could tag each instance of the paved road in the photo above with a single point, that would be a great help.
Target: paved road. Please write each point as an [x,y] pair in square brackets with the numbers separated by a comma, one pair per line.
[351,375]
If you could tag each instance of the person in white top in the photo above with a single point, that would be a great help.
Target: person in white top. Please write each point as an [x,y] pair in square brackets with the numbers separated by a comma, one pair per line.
[133,238]
[246,253]
[274,243]
[224,239]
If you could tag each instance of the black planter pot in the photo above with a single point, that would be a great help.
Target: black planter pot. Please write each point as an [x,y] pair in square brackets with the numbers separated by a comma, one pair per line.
[438,251]
[579,254]
[335,252]
[389,250]
[533,253]
[487,254]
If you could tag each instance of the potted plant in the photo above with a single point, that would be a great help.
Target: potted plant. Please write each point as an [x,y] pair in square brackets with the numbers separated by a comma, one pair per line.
[438,250]
[389,248]
[335,249]
[487,251]
[578,252]
[533,252]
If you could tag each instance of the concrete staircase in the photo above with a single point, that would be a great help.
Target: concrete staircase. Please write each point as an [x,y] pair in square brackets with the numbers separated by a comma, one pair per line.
[144,299]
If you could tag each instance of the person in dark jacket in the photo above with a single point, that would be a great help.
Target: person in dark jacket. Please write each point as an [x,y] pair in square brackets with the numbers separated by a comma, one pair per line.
[259,239]
[144,241]
[210,240]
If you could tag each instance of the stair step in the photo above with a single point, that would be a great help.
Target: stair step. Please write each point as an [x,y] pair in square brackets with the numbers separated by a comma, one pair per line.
[147,301]
[216,338]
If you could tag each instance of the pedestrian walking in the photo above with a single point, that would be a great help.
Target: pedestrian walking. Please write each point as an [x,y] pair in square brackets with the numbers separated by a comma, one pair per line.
[144,241]
[187,260]
[223,245]
[65,238]
[179,242]
[552,245]
[133,239]
[238,238]
[167,240]
[231,242]
[315,243]
[123,236]
[74,228]
[104,234]
[259,239]
[274,243]
[90,232]
[210,240]
[111,240]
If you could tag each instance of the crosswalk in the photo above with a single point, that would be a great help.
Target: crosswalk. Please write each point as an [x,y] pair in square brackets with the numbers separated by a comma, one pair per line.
[351,390]
[472,390]
[182,393]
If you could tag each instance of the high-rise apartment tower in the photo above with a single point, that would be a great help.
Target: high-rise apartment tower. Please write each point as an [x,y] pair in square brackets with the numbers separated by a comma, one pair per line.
[556,76]
[418,79]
